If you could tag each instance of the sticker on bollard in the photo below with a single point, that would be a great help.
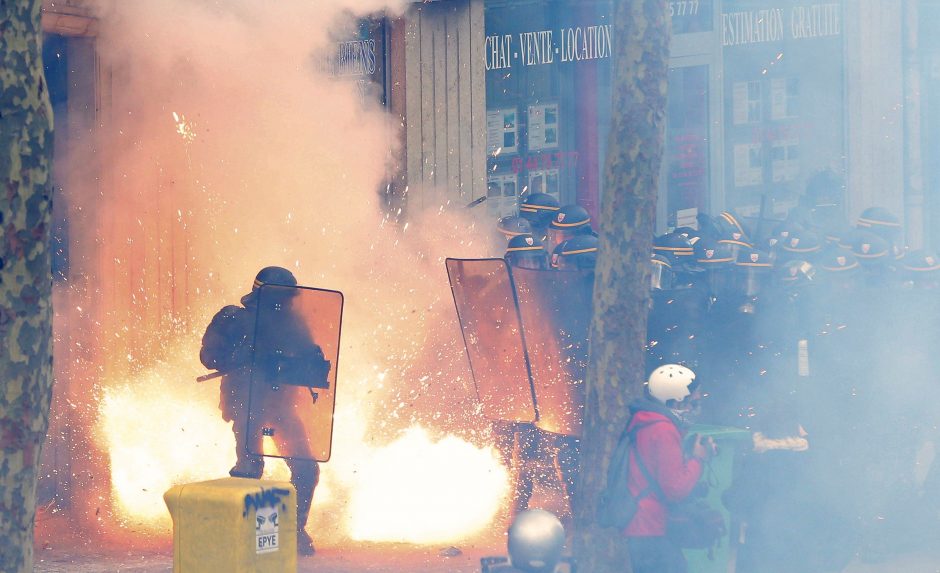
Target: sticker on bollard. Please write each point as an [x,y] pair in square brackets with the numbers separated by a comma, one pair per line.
[266,530]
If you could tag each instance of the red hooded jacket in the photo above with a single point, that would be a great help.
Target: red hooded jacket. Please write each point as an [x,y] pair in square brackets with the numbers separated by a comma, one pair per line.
[659,444]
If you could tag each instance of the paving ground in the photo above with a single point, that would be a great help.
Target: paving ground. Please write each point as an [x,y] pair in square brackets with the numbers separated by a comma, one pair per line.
[60,550]
[366,558]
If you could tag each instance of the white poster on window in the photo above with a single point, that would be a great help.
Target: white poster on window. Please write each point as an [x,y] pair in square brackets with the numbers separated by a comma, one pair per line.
[543,126]
[501,130]
[748,166]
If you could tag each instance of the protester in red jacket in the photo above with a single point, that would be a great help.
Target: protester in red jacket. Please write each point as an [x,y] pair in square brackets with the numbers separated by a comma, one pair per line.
[658,453]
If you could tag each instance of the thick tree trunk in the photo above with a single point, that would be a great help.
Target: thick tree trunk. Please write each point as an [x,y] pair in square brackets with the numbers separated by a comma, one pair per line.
[25,276]
[621,291]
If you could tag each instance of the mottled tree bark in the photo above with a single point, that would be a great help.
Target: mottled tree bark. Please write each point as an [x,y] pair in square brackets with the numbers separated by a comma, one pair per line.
[25,275]
[621,291]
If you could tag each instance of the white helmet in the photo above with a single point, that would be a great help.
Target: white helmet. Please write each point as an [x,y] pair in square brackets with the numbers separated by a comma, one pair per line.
[536,539]
[670,382]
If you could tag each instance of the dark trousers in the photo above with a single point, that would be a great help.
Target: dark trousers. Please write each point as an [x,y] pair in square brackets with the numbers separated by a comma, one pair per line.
[656,555]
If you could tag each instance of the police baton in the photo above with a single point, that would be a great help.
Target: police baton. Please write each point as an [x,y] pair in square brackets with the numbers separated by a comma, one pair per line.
[476,202]
[210,376]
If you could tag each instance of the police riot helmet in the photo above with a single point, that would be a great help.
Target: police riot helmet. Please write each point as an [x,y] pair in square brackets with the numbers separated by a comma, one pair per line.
[921,268]
[571,217]
[730,224]
[836,261]
[513,225]
[837,268]
[538,209]
[576,253]
[661,273]
[801,244]
[752,267]
[781,233]
[569,221]
[675,247]
[671,382]
[269,276]
[709,253]
[870,249]
[717,260]
[536,540]
[735,240]
[881,222]
[525,251]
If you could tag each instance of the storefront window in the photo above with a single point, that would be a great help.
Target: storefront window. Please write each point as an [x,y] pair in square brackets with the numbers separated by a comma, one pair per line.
[687,155]
[783,100]
[548,103]
[547,98]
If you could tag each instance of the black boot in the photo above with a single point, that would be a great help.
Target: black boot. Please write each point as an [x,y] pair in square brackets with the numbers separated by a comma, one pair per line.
[304,476]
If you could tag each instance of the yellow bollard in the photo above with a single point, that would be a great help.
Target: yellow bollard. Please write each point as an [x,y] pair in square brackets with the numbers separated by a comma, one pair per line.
[234,525]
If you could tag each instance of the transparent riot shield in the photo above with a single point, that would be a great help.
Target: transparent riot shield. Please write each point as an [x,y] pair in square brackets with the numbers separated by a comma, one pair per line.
[293,374]
[489,321]
[555,307]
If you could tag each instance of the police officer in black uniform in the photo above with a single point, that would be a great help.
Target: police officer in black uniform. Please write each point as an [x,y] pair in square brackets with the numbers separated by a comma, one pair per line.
[228,346]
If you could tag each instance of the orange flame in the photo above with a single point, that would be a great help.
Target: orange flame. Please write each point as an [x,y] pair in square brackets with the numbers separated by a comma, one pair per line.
[165,429]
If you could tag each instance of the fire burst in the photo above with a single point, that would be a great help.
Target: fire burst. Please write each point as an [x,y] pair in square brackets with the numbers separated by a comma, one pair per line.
[164,430]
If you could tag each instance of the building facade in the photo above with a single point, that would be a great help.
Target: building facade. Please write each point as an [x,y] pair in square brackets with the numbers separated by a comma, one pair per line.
[765,96]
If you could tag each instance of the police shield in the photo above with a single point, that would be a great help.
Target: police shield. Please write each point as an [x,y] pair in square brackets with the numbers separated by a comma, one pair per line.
[489,321]
[555,307]
[293,372]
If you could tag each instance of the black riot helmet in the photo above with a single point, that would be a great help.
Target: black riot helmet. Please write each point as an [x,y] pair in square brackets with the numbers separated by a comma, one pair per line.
[661,273]
[569,221]
[538,209]
[269,276]
[780,233]
[729,224]
[881,222]
[513,225]
[526,252]
[871,249]
[675,247]
[837,268]
[753,268]
[733,238]
[577,253]
[801,244]
[921,269]
[709,253]
[717,261]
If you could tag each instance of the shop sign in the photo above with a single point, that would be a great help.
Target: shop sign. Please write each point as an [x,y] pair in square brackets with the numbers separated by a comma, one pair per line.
[778,24]
[540,47]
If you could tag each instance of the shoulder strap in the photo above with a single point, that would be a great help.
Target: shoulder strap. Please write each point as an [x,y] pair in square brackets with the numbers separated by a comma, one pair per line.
[651,483]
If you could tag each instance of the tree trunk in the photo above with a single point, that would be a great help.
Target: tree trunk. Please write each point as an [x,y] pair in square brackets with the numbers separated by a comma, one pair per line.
[621,291]
[25,275]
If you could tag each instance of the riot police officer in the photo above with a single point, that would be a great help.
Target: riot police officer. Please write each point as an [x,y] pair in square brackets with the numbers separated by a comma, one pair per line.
[526,251]
[577,253]
[228,347]
[569,221]
[520,443]
[538,209]
[513,226]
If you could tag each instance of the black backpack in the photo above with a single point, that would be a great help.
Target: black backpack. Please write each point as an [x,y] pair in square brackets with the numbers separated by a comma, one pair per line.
[616,506]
